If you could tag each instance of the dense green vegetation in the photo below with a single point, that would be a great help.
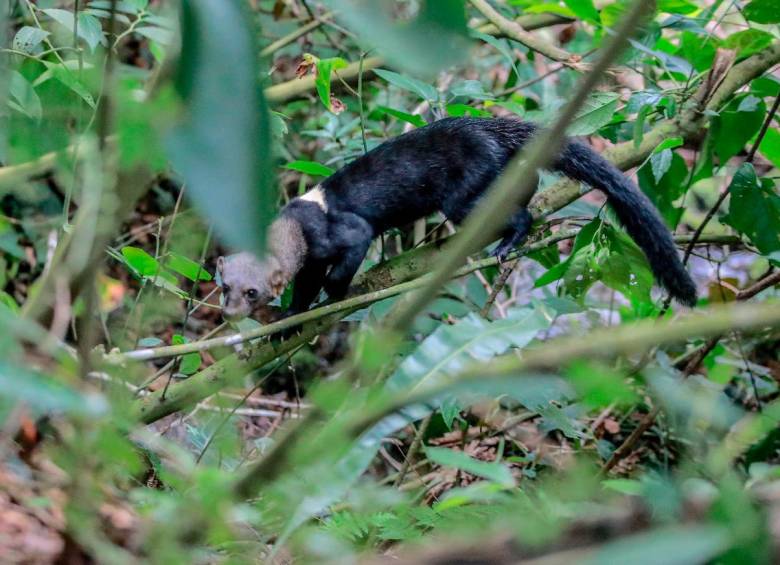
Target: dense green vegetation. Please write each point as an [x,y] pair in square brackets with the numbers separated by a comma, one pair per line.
[556,405]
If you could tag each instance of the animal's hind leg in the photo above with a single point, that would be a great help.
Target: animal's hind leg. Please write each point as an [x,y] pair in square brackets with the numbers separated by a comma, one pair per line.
[514,234]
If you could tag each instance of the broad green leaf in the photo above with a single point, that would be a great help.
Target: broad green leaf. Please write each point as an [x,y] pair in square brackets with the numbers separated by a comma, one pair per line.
[754,209]
[413,119]
[186,267]
[158,34]
[749,41]
[599,386]
[550,8]
[68,78]
[676,6]
[660,163]
[495,472]
[770,146]
[451,348]
[222,146]
[422,89]
[581,245]
[669,143]
[140,261]
[310,168]
[23,96]
[630,487]
[190,363]
[28,38]
[432,40]
[44,394]
[596,113]
[472,89]
[763,11]
[89,30]
[664,192]
[736,125]
[325,68]
[584,9]
[499,44]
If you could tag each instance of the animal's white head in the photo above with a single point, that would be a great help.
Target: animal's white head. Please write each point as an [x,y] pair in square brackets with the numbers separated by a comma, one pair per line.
[248,283]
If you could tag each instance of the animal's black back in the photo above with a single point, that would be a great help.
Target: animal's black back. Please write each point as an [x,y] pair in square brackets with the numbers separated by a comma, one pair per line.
[448,164]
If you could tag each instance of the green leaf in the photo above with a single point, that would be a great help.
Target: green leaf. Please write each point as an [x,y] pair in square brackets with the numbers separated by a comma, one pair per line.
[754,209]
[736,125]
[680,545]
[596,113]
[68,78]
[414,119]
[222,147]
[140,261]
[499,44]
[451,347]
[186,267]
[581,244]
[28,38]
[585,10]
[89,30]
[190,362]
[432,40]
[44,394]
[549,8]
[422,89]
[669,143]
[676,6]
[749,41]
[598,386]
[630,487]
[661,163]
[158,34]
[325,68]
[23,96]
[763,11]
[770,146]
[310,168]
[472,89]
[668,189]
[495,472]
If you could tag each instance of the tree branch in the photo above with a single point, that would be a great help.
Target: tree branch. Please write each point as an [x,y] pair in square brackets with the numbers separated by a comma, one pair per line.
[514,30]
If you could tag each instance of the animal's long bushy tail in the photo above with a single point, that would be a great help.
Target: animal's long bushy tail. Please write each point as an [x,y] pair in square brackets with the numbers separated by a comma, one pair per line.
[636,212]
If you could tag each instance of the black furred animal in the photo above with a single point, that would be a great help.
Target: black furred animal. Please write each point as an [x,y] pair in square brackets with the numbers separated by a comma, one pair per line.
[321,238]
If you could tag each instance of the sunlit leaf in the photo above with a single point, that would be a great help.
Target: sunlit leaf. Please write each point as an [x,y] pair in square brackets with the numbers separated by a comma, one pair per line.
[310,168]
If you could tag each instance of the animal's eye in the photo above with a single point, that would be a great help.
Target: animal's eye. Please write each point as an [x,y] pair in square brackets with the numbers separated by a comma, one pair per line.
[225,289]
[251,293]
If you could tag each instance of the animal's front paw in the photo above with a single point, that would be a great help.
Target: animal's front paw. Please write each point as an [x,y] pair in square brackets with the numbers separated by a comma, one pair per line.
[502,251]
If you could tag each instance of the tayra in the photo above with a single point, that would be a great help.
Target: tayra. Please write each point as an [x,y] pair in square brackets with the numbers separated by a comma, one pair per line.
[320,238]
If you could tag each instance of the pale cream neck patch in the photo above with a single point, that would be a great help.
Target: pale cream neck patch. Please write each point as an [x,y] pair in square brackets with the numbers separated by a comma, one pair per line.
[316,195]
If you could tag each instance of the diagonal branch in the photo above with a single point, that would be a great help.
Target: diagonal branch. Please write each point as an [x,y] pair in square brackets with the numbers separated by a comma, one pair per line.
[514,30]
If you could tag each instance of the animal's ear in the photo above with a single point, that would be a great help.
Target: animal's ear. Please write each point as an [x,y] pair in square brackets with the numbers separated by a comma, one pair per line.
[220,268]
[277,282]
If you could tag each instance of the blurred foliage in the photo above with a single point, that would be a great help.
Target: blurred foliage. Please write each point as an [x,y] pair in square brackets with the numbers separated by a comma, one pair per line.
[167,98]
